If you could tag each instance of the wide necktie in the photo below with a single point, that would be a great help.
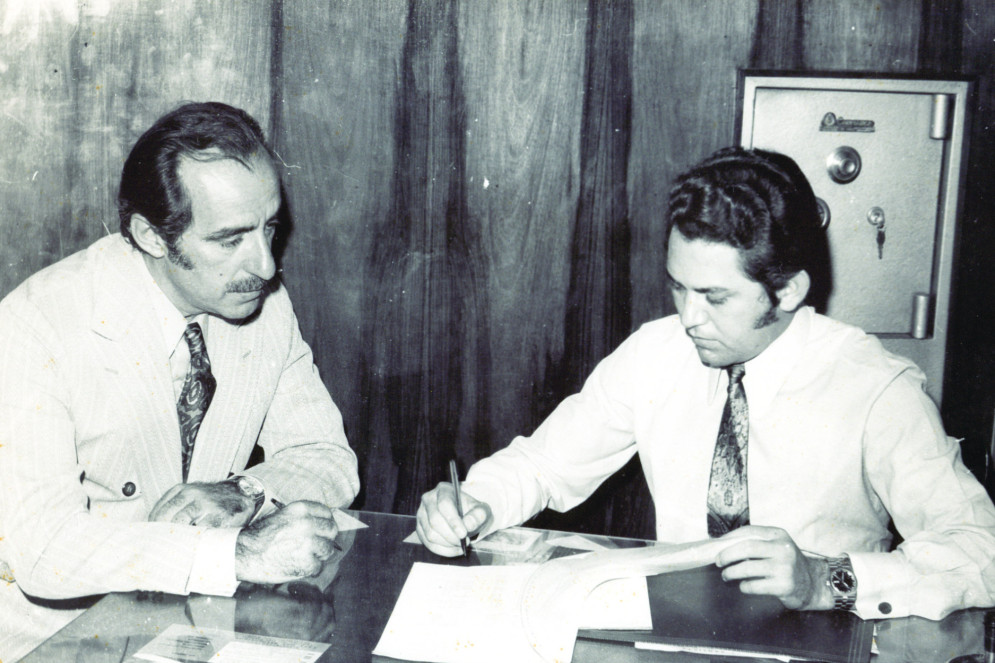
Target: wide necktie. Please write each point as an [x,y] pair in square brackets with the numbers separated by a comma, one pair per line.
[728,506]
[195,397]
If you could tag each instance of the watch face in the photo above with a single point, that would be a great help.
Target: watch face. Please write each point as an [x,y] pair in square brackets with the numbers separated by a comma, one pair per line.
[249,488]
[842,581]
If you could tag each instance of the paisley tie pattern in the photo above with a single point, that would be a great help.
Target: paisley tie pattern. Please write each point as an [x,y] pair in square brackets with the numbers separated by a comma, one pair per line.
[728,505]
[198,390]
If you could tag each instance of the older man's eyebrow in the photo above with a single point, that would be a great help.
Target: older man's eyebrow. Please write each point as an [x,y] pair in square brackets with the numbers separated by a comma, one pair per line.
[228,233]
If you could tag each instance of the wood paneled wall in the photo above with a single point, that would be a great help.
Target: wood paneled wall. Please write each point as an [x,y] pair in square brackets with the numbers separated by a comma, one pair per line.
[476,189]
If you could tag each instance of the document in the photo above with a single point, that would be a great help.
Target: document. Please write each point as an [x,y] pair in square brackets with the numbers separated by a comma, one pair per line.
[526,612]
[189,644]
[345,522]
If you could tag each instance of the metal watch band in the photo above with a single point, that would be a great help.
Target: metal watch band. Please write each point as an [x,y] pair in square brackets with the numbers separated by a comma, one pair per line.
[842,583]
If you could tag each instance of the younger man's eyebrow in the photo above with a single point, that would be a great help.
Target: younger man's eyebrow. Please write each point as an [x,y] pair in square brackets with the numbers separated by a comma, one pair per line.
[704,291]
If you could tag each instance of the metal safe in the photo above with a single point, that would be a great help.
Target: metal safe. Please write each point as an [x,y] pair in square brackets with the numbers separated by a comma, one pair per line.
[885,157]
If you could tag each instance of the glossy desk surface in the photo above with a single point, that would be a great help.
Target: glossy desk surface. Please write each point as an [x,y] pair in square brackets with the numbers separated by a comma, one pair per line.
[349,603]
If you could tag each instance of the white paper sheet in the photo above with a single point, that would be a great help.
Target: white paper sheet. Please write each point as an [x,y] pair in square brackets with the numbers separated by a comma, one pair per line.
[453,614]
[182,642]
[430,622]
[575,542]
[522,613]
[346,522]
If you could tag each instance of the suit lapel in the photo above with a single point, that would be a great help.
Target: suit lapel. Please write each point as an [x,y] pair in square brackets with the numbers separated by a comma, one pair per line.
[134,350]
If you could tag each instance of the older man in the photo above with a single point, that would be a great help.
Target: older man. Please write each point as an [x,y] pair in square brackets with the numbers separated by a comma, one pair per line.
[137,376]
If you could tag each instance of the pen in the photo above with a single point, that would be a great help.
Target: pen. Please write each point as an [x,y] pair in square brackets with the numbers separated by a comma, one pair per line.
[279,505]
[454,478]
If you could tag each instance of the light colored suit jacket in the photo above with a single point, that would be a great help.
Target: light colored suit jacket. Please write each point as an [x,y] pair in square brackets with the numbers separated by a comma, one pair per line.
[89,437]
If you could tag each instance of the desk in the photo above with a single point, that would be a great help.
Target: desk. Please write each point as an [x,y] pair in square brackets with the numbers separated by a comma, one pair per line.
[360,586]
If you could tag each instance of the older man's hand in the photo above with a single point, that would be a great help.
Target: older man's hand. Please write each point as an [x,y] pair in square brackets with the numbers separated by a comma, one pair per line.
[289,544]
[212,504]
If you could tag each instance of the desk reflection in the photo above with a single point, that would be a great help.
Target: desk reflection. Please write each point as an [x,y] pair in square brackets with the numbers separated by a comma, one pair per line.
[348,604]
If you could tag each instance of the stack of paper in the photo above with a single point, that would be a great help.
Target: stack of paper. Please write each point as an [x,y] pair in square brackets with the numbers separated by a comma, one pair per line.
[450,614]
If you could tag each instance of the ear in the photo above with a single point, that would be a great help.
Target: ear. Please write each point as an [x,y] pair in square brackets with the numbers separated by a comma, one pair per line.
[145,236]
[793,294]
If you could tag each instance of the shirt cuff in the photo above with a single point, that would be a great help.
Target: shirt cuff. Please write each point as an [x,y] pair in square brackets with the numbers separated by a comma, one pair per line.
[213,569]
[882,585]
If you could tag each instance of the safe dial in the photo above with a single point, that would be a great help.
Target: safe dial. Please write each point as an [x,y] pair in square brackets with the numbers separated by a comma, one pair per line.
[843,165]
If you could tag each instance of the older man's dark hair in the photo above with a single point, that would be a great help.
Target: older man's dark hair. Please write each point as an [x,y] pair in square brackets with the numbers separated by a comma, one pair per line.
[150,185]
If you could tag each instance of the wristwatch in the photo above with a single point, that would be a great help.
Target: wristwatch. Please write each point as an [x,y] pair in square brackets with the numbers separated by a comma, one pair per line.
[842,583]
[252,488]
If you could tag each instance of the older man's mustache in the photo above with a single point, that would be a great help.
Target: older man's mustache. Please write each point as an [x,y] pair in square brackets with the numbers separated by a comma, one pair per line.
[251,284]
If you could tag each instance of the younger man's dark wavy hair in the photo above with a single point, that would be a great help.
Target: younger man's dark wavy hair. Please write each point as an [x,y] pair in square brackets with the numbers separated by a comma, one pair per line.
[760,203]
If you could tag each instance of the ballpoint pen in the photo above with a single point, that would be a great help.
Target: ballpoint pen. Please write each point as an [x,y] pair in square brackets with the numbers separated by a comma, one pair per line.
[454,478]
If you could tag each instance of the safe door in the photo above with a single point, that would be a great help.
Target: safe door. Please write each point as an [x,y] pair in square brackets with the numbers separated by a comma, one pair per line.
[885,159]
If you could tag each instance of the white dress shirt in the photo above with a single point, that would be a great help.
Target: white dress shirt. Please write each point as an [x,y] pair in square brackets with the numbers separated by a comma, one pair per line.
[842,437]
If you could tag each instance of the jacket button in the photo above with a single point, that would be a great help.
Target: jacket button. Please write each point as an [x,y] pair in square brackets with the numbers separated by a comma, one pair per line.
[128,489]
[884,608]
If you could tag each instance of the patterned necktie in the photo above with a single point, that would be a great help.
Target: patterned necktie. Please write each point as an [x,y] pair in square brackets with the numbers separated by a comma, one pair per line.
[198,389]
[728,506]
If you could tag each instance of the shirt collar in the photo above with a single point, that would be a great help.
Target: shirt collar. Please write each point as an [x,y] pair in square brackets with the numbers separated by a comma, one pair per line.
[772,367]
[167,316]
[767,372]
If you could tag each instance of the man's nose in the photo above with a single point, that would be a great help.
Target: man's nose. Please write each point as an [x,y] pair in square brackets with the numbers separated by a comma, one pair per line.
[692,312]
[261,262]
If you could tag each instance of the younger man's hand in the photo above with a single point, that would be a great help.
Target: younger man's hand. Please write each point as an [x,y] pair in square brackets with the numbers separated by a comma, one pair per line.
[767,561]
[438,523]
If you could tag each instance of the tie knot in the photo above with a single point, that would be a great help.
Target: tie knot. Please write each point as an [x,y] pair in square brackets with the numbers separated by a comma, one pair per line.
[195,339]
[736,373]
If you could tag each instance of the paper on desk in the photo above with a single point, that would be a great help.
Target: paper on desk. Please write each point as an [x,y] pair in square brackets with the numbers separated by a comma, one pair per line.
[575,542]
[623,603]
[513,539]
[715,651]
[450,614]
[430,621]
[344,522]
[531,612]
[187,644]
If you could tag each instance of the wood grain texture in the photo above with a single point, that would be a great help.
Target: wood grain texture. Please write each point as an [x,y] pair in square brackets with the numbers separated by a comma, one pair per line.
[941,42]
[80,87]
[969,389]
[37,100]
[851,35]
[779,37]
[599,294]
[599,300]
[336,97]
[523,64]
[686,56]
[423,315]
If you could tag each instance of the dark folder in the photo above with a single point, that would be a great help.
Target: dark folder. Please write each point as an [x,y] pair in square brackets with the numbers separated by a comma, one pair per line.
[697,609]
